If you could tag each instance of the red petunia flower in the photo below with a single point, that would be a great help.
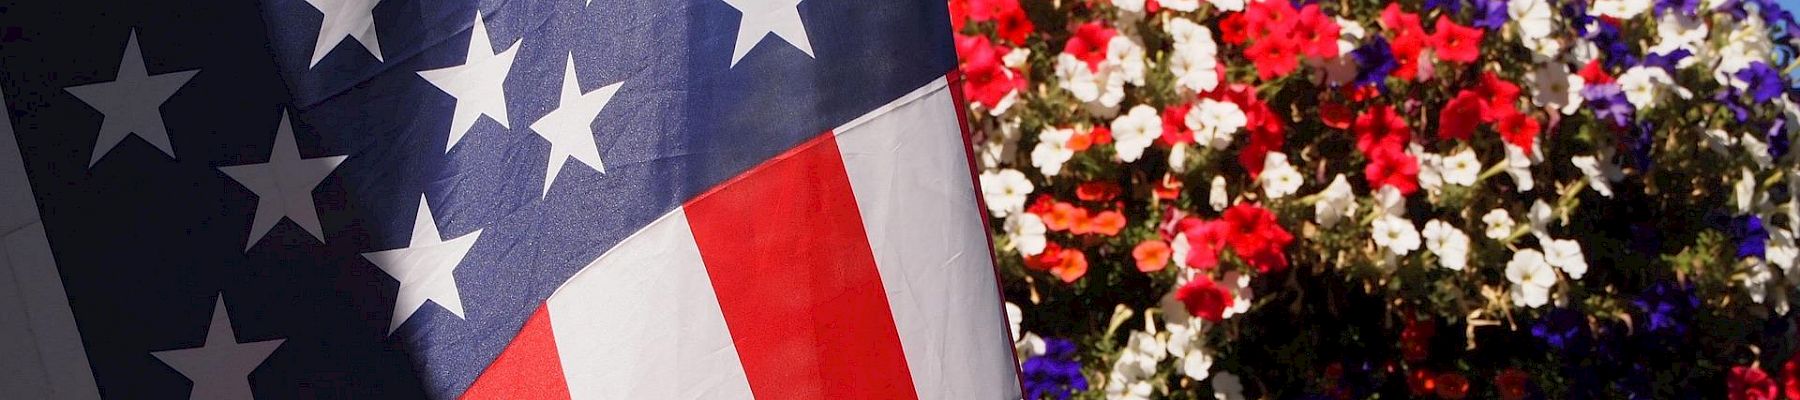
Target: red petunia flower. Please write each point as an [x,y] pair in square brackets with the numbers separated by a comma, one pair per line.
[1461,115]
[1594,73]
[1317,33]
[1089,43]
[1100,135]
[1408,43]
[1380,127]
[1336,115]
[1452,386]
[1234,28]
[1456,43]
[1205,240]
[1011,23]
[1392,167]
[1256,237]
[1167,188]
[1097,191]
[1790,377]
[1748,382]
[1050,258]
[1513,384]
[1175,130]
[1151,255]
[1205,298]
[1519,129]
[1274,56]
[1502,97]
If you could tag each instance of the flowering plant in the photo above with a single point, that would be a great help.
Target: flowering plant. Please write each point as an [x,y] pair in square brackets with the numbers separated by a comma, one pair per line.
[1423,198]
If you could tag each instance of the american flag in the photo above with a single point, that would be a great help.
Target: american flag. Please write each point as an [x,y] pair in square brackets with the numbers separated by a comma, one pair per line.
[631,199]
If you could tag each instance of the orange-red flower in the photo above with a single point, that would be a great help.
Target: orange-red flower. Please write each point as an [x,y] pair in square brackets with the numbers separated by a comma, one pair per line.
[1152,255]
[1073,266]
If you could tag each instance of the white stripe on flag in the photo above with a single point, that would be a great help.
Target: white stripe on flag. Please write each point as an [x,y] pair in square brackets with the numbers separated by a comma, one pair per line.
[641,322]
[41,355]
[909,170]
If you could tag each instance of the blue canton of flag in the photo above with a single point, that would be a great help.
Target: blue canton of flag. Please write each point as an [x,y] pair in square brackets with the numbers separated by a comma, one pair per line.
[377,198]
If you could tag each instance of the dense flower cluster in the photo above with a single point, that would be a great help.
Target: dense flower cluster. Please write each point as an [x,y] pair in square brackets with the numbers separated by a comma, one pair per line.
[1417,198]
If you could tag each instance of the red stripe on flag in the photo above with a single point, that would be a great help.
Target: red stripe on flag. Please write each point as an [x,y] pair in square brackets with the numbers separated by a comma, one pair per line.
[790,263]
[529,367]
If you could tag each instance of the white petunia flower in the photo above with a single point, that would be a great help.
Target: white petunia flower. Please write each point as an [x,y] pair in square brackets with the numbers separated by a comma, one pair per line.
[1499,224]
[1461,168]
[1279,178]
[1746,42]
[1552,85]
[1756,281]
[1782,252]
[1239,285]
[1136,6]
[1719,141]
[1390,201]
[1187,343]
[1540,216]
[1396,234]
[1335,203]
[1518,166]
[1758,151]
[1645,87]
[1600,173]
[1533,18]
[1566,255]
[1026,233]
[1005,191]
[1744,191]
[1134,131]
[1451,245]
[1193,72]
[999,146]
[1181,5]
[1431,167]
[1531,279]
[1227,5]
[1217,197]
[1178,157]
[1621,9]
[1052,151]
[1017,57]
[1676,31]
[1125,52]
[1216,122]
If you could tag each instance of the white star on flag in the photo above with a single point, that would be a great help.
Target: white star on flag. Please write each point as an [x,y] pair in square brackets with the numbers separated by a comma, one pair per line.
[221,368]
[284,185]
[426,268]
[479,84]
[132,102]
[569,127]
[345,19]
[765,17]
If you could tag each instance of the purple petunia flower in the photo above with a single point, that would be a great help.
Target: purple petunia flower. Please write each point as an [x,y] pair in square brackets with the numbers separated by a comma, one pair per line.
[1618,51]
[1685,7]
[1667,306]
[1374,60]
[1666,61]
[1563,329]
[1490,14]
[1752,237]
[1056,373]
[1762,82]
[1608,102]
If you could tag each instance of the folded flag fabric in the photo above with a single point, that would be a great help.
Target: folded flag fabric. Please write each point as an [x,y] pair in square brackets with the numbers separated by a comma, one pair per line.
[607,199]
